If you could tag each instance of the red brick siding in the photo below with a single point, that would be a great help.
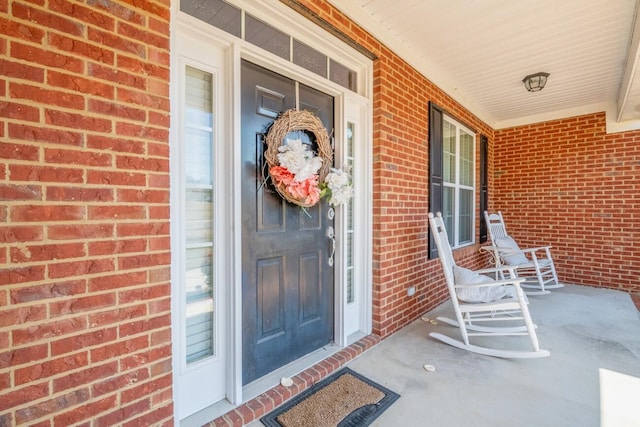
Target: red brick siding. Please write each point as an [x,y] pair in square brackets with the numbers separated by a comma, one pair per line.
[84,223]
[400,194]
[84,288]
[569,184]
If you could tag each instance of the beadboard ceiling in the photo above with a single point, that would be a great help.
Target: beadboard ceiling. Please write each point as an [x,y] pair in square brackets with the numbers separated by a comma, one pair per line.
[478,51]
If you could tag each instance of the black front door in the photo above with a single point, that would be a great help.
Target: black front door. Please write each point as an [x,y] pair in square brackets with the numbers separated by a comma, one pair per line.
[287,283]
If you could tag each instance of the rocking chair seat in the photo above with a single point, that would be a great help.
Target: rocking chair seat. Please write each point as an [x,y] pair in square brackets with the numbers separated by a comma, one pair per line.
[465,280]
[541,263]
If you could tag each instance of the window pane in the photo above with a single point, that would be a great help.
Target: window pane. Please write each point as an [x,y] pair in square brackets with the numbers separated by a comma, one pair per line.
[459,182]
[198,157]
[465,216]
[218,13]
[267,37]
[199,126]
[198,97]
[199,277]
[350,296]
[199,310]
[448,201]
[349,209]
[340,74]
[198,222]
[449,152]
[309,58]
[350,219]
[199,216]
[350,138]
[466,159]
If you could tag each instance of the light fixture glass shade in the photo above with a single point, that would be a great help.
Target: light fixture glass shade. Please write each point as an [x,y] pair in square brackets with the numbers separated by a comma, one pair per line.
[535,82]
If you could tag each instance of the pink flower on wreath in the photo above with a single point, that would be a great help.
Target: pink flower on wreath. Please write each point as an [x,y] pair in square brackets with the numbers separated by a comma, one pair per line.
[307,190]
[281,175]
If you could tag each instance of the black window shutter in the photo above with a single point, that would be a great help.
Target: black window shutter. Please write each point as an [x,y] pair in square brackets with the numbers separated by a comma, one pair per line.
[484,185]
[435,168]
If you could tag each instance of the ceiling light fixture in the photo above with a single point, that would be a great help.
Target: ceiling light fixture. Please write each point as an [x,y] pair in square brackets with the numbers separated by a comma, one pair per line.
[535,82]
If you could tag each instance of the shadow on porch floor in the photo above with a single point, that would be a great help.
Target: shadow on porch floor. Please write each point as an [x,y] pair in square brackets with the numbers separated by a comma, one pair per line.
[592,377]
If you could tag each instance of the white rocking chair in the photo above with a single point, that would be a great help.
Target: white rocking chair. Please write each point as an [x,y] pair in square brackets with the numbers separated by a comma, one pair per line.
[534,264]
[481,302]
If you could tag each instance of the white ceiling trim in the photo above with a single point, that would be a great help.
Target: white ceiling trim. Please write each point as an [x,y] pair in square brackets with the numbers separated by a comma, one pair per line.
[627,88]
[555,115]
[621,102]
[413,58]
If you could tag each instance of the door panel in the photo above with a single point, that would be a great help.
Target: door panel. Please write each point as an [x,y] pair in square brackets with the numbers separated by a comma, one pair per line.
[270,212]
[310,292]
[270,307]
[287,284]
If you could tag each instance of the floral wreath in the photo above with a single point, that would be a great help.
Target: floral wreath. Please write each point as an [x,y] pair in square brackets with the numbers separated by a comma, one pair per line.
[299,175]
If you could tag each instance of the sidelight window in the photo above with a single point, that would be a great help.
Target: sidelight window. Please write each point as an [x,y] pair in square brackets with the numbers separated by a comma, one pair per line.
[198,219]
[350,221]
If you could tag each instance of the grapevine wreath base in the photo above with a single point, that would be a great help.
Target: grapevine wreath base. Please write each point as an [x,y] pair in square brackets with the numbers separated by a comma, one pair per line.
[291,121]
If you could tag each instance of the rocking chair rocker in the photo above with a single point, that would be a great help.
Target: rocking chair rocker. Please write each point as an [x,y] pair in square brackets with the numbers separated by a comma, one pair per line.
[534,264]
[479,300]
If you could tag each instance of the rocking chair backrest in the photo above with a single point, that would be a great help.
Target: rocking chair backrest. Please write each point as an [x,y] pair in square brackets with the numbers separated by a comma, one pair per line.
[495,226]
[441,239]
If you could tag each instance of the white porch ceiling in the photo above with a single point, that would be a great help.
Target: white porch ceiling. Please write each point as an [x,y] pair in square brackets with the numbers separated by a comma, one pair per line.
[478,51]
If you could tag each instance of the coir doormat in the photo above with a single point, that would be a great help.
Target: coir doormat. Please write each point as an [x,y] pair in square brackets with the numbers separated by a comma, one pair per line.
[345,399]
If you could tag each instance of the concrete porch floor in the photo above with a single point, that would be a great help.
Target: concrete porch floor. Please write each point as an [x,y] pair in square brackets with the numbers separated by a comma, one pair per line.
[592,377]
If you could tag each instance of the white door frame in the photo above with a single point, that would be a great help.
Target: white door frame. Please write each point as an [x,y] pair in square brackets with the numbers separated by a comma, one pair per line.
[356,108]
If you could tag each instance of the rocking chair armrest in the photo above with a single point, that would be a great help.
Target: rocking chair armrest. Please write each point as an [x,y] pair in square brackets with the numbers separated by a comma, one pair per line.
[512,251]
[514,282]
[536,249]
[501,269]
[505,270]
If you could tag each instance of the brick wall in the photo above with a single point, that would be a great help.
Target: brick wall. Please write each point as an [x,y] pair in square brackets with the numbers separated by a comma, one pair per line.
[400,188]
[84,245]
[84,218]
[569,184]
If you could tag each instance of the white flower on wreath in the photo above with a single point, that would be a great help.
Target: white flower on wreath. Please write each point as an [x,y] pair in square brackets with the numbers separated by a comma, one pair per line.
[338,183]
[298,159]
